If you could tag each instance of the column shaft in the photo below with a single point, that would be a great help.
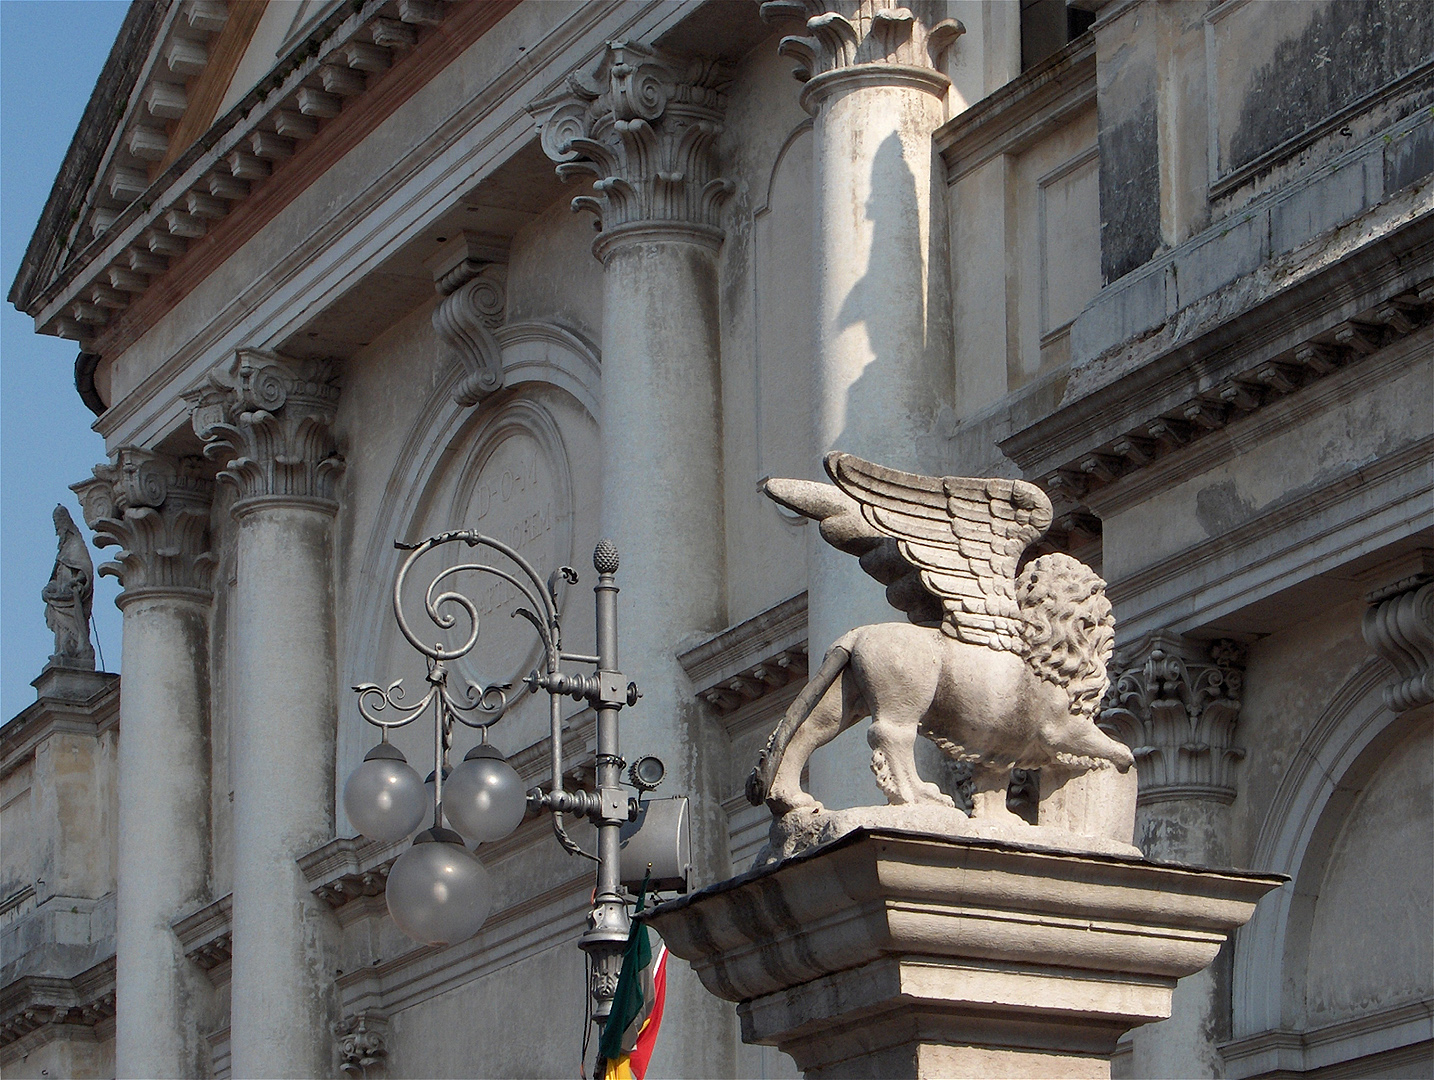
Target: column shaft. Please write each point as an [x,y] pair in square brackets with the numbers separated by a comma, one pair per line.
[883,353]
[662,505]
[282,753]
[162,1000]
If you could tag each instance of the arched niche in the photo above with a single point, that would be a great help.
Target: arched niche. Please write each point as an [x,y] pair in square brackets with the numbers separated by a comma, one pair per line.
[1316,957]
[522,466]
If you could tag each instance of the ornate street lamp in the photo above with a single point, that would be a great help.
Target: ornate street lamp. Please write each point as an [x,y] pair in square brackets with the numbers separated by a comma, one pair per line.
[438,891]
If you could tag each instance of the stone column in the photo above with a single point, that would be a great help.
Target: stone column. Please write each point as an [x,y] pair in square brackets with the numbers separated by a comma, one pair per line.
[269,420]
[645,124]
[884,365]
[1176,702]
[156,509]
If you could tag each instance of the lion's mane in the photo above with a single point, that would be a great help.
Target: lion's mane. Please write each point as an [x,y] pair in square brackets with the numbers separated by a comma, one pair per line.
[1068,631]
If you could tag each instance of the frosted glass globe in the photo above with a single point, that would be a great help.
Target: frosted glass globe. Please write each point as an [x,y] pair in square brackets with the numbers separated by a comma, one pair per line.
[438,892]
[383,797]
[484,798]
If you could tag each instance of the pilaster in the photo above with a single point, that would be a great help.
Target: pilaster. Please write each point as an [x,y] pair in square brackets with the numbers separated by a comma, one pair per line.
[1176,703]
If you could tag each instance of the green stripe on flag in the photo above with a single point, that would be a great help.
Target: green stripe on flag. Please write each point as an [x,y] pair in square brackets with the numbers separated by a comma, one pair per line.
[628,1004]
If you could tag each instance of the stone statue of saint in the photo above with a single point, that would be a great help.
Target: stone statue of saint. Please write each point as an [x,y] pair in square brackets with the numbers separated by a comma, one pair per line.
[69,596]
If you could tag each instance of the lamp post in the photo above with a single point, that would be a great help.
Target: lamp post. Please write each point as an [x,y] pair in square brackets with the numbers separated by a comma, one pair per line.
[438,891]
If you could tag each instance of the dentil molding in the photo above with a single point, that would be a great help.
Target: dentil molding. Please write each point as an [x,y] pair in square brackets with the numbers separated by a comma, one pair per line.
[1176,703]
[645,125]
[269,420]
[155,508]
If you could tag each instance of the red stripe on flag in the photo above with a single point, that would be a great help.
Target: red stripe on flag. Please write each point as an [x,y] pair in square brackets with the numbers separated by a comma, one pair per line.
[642,1052]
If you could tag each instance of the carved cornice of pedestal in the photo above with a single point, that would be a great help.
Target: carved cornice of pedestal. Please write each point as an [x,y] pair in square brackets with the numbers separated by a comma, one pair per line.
[1175,702]
[1399,626]
[472,279]
[269,420]
[880,41]
[155,508]
[645,125]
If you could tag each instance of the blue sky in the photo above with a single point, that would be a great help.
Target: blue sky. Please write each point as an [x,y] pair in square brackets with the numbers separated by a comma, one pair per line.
[51,53]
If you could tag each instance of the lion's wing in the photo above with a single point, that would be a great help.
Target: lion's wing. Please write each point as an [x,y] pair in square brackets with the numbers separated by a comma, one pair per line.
[965,535]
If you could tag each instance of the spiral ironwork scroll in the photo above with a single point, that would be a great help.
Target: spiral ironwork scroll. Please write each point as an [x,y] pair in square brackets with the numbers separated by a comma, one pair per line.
[448,608]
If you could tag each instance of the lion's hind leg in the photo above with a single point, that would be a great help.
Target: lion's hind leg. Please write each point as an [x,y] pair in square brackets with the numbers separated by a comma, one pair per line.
[892,736]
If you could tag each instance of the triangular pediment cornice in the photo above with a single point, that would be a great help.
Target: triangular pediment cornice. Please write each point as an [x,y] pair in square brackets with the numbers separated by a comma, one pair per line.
[152,171]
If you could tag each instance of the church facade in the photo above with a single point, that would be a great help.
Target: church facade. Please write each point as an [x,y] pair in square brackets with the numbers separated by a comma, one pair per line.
[342,274]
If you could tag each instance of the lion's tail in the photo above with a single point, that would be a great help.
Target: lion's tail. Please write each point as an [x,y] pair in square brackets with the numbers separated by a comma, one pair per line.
[833,664]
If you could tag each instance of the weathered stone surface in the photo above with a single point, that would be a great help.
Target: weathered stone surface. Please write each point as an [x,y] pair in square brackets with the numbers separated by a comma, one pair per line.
[891,954]
[1010,679]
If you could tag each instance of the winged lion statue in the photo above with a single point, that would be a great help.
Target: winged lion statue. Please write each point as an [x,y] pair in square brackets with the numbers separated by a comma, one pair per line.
[997,669]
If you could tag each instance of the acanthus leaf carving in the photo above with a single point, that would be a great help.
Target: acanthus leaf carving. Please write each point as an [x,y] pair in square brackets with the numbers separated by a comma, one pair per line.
[644,125]
[1176,703]
[1399,626]
[155,509]
[362,1043]
[874,32]
[269,420]
[465,321]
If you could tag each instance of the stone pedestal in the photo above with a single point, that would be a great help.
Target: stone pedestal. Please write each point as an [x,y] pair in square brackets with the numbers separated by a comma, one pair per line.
[893,954]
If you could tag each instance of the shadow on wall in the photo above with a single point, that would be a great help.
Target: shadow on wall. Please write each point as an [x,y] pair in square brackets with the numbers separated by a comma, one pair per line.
[897,303]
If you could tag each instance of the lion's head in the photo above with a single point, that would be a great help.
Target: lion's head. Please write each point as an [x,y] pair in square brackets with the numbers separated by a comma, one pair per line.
[1069,630]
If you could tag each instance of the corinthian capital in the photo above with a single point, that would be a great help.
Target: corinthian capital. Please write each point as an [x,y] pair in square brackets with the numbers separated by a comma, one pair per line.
[1399,626]
[156,510]
[645,125]
[1175,702]
[861,34]
[269,420]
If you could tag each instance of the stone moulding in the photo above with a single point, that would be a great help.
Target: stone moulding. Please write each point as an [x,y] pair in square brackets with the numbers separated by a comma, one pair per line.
[49,1005]
[156,510]
[1175,703]
[269,420]
[746,662]
[1259,340]
[204,935]
[1238,395]
[883,943]
[644,125]
[348,868]
[132,245]
[1405,1030]
[1399,626]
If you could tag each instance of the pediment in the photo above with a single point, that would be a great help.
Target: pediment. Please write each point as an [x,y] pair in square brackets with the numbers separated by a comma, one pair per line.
[199,104]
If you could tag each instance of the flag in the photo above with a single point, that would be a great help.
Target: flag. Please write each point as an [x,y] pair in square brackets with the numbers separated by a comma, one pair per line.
[631,1029]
